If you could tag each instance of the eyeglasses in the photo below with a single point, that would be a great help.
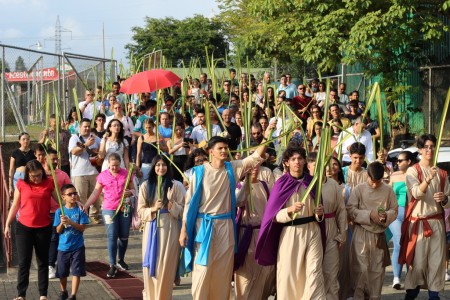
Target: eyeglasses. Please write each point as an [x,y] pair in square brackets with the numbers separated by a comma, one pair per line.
[401,160]
[301,88]
[71,194]
[89,94]
[36,175]
[256,133]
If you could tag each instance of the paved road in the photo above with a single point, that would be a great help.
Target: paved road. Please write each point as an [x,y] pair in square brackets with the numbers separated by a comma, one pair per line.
[96,250]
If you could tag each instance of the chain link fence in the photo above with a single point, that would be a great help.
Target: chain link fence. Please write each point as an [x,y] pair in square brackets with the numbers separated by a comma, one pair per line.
[30,79]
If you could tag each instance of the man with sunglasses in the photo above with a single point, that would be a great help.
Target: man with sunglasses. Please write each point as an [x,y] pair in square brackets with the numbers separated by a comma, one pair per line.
[87,106]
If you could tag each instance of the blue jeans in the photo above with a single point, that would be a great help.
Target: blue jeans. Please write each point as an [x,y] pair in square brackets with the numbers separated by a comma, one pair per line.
[396,229]
[145,169]
[117,232]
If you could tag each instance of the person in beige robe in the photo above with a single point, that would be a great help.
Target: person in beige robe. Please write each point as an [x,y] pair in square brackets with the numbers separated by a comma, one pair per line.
[354,174]
[300,249]
[160,286]
[213,281]
[336,229]
[428,265]
[372,207]
[253,281]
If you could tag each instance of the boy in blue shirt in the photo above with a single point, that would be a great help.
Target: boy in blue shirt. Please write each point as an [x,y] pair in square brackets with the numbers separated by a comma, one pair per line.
[71,252]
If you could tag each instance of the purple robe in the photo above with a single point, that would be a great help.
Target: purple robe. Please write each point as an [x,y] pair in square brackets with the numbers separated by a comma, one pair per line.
[269,235]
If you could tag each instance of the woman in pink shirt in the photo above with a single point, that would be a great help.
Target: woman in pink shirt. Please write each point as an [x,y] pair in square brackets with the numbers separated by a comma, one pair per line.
[112,182]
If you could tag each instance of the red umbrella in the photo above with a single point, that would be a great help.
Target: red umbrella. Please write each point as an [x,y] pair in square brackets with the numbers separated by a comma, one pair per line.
[149,81]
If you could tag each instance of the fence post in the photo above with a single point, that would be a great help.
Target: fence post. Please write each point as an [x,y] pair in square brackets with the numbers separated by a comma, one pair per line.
[3,93]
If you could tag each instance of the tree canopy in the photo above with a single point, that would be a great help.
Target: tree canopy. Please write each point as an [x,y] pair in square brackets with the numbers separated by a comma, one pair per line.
[180,39]
[382,35]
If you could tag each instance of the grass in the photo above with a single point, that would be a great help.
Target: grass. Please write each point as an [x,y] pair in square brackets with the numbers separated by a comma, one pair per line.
[12,132]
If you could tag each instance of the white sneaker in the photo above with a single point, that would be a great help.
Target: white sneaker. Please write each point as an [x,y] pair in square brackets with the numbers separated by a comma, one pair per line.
[447,277]
[396,284]
[51,272]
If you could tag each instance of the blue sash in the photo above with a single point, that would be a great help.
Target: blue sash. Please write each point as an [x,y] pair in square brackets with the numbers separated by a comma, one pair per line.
[205,231]
[151,250]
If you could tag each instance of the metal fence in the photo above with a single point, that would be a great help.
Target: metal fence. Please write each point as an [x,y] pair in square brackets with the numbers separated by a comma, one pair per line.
[30,77]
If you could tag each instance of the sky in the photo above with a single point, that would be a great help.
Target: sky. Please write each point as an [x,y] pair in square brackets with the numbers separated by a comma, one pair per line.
[24,23]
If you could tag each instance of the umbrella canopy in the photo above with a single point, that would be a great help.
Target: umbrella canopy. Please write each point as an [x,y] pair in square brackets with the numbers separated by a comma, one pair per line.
[149,81]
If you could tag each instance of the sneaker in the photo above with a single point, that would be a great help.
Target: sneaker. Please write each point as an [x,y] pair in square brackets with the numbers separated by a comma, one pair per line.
[121,265]
[112,272]
[396,284]
[447,277]
[51,272]
[73,297]
[63,295]
[19,298]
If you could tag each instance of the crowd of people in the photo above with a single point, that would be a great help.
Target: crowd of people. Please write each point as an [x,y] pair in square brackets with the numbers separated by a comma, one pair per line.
[226,191]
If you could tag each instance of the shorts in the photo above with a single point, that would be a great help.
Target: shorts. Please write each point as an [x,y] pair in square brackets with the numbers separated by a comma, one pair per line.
[75,260]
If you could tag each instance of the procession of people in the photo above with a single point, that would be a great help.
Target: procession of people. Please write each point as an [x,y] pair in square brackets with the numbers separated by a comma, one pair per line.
[224,183]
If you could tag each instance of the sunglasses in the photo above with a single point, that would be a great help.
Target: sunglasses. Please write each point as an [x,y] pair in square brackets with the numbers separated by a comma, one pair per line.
[71,194]
[401,160]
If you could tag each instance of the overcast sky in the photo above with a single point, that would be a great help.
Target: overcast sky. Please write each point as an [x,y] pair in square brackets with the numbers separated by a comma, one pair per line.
[24,23]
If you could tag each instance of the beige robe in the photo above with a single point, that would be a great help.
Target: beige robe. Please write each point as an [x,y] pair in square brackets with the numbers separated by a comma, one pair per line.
[345,275]
[214,280]
[428,266]
[161,286]
[253,281]
[336,230]
[366,258]
[300,254]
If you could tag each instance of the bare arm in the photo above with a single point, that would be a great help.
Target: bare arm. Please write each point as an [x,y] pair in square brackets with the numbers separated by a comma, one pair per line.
[12,163]
[139,152]
[126,158]
[12,213]
[94,196]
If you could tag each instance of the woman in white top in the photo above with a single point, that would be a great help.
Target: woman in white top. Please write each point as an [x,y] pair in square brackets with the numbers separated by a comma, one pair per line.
[320,95]
[127,123]
[113,142]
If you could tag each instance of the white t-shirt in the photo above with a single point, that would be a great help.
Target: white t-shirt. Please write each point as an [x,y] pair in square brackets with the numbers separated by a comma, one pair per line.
[89,110]
[199,133]
[81,166]
[128,125]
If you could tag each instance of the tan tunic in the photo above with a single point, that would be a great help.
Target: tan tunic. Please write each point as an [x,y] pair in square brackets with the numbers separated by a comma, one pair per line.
[354,178]
[428,266]
[366,258]
[336,229]
[345,275]
[300,254]
[253,281]
[161,286]
[214,280]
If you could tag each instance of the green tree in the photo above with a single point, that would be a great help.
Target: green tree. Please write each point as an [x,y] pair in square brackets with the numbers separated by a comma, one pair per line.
[383,35]
[20,64]
[180,40]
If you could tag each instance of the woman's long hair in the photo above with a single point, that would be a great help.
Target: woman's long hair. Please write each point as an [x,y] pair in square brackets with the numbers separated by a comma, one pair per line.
[153,181]
[121,132]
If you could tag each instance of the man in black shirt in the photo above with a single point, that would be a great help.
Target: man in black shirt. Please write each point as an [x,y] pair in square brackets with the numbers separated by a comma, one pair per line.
[234,131]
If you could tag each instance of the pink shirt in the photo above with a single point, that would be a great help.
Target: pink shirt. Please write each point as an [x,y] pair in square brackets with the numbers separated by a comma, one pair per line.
[62,179]
[112,187]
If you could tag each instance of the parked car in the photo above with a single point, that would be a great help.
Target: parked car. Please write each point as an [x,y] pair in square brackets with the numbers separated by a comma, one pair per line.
[443,157]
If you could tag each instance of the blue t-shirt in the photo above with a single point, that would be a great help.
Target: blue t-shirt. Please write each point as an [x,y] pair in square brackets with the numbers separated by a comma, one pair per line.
[71,239]
[139,125]
[165,132]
